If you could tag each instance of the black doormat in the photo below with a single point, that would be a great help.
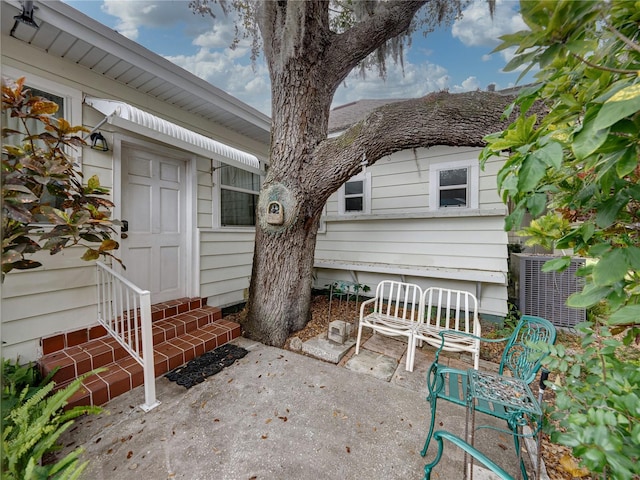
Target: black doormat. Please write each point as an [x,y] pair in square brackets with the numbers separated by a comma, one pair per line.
[206,365]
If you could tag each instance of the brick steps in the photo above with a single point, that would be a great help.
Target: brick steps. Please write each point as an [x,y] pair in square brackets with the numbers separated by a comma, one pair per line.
[182,330]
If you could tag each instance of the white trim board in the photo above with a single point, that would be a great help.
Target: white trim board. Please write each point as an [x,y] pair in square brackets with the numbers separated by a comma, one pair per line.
[483,276]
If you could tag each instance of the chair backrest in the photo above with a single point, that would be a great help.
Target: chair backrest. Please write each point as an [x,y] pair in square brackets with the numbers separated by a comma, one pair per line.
[398,299]
[448,309]
[518,356]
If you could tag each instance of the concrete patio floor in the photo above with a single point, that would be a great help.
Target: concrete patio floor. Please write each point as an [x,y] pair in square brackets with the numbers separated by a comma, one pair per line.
[276,414]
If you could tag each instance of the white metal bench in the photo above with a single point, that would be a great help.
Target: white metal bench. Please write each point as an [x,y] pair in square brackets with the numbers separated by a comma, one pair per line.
[404,309]
[396,311]
[446,309]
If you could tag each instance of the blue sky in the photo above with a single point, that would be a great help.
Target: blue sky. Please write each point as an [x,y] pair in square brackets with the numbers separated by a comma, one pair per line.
[456,58]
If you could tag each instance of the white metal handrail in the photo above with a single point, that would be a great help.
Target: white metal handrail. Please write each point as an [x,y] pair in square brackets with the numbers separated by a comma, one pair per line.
[125,312]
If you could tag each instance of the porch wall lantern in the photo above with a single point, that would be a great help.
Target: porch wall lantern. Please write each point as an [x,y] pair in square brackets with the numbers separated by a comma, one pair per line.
[25,16]
[98,142]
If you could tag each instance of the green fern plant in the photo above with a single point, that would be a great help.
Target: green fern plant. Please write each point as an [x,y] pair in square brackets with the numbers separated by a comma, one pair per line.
[15,378]
[32,428]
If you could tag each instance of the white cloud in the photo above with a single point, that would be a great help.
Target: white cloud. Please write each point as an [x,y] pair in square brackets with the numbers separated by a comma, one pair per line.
[417,81]
[220,69]
[469,84]
[478,28]
[159,14]
[220,36]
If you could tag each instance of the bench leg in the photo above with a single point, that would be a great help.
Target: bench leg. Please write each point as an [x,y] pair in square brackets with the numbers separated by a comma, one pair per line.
[411,352]
[359,337]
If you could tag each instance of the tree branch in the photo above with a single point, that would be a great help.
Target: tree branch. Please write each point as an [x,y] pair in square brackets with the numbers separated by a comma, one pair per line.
[390,19]
[626,40]
[603,68]
[462,119]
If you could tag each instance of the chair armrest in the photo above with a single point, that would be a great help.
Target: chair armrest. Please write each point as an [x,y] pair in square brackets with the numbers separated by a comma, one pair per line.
[364,304]
[439,435]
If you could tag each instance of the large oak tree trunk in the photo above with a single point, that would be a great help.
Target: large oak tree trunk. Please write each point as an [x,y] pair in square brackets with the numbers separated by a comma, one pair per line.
[280,290]
[281,283]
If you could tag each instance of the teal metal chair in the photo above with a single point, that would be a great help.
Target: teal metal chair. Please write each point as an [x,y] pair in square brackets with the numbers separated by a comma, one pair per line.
[518,360]
[439,435]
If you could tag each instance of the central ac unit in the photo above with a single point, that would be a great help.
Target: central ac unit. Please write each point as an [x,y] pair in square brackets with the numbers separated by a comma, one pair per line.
[544,294]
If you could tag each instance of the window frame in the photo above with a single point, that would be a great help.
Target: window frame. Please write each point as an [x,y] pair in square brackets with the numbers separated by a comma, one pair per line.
[365,177]
[472,187]
[72,110]
[231,188]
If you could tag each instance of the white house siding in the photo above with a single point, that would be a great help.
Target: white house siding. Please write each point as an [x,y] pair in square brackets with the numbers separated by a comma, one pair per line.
[226,257]
[204,193]
[226,254]
[489,197]
[61,295]
[57,297]
[402,238]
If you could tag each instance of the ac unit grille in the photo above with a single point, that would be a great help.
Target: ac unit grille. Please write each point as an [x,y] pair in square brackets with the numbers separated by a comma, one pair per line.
[545,294]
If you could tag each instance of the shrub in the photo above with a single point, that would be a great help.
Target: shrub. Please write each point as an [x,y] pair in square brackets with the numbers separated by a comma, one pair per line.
[576,170]
[36,168]
[33,423]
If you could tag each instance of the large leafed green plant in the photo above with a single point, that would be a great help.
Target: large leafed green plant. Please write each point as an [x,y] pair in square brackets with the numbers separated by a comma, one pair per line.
[576,171]
[41,185]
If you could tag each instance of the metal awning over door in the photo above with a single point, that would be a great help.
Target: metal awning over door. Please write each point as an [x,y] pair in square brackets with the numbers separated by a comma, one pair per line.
[128,117]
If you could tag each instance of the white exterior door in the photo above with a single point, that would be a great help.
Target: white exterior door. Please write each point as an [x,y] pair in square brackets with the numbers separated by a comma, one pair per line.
[154,206]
